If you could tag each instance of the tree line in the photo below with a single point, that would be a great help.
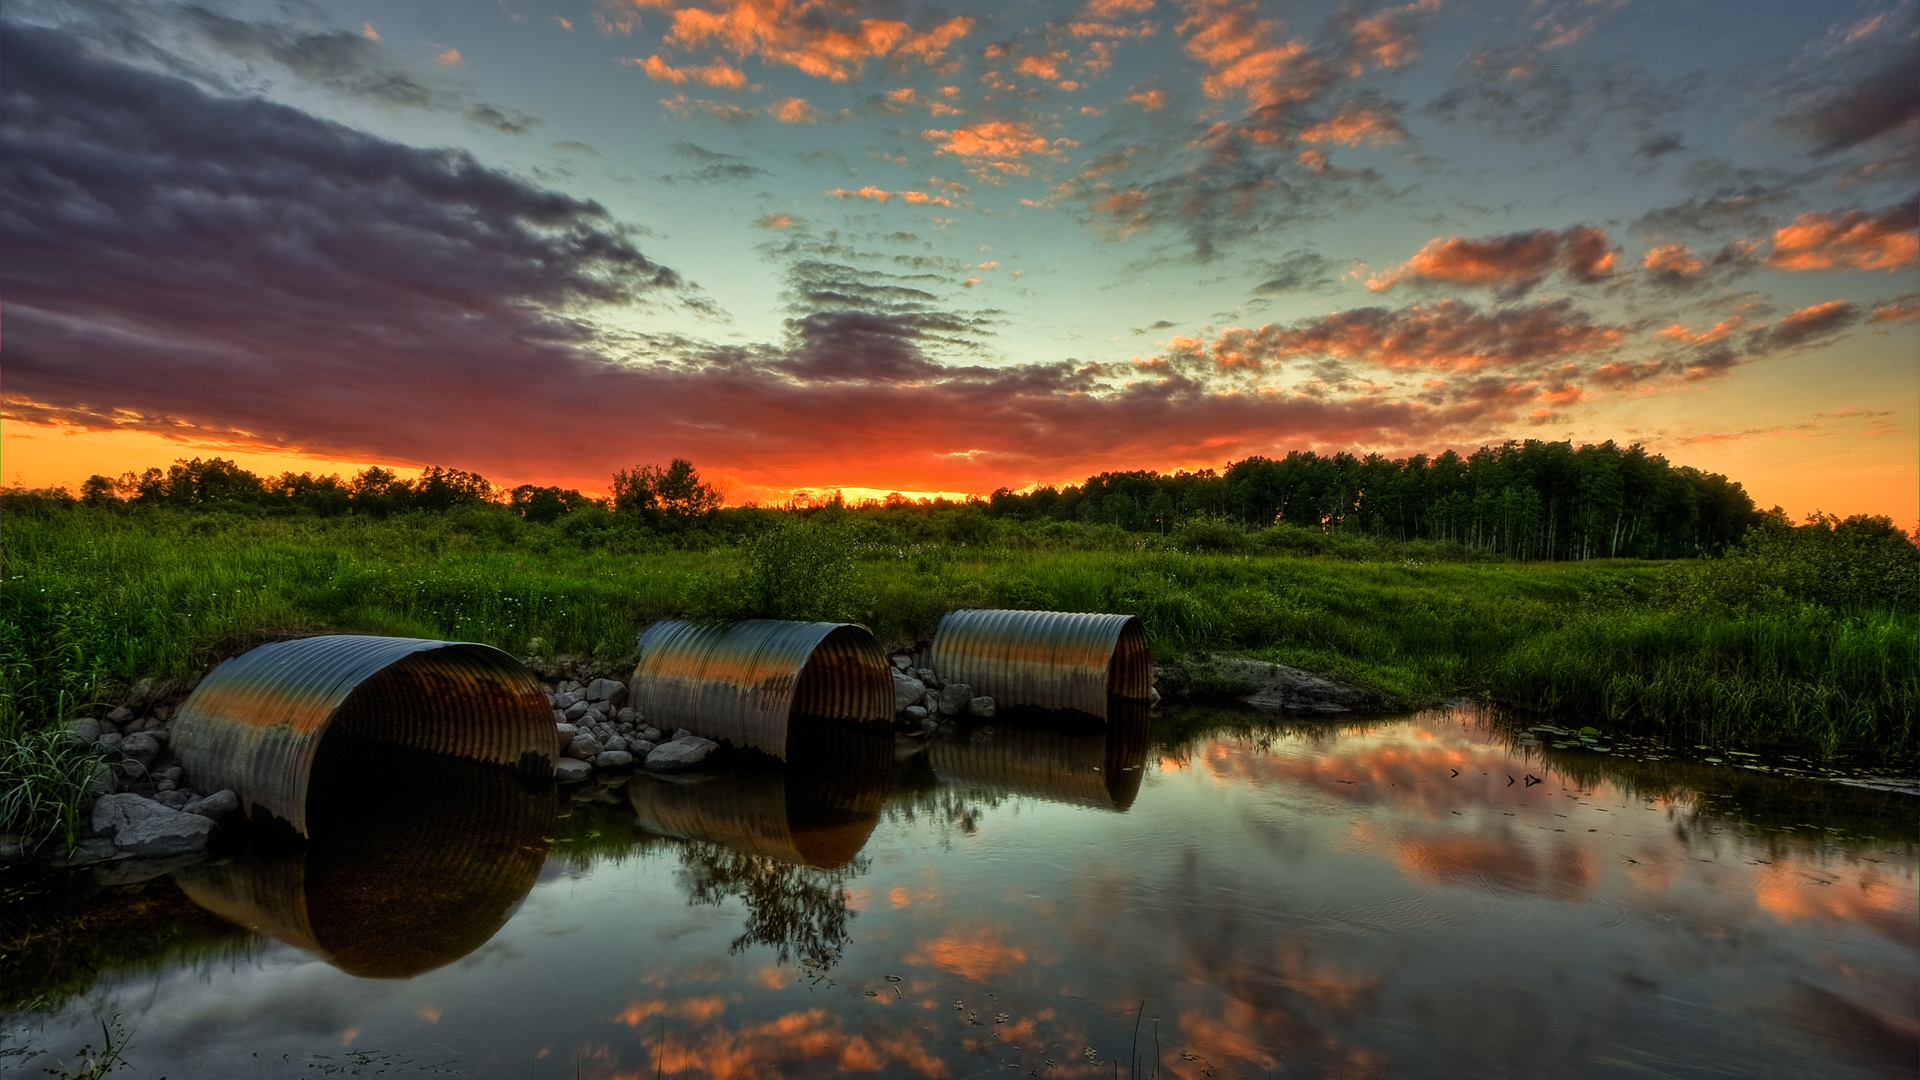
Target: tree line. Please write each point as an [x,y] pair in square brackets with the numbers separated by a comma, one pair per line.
[1530,500]
[1526,500]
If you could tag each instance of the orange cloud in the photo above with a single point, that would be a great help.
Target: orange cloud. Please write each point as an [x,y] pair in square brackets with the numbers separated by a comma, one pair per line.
[1899,309]
[1387,38]
[450,57]
[1109,9]
[716,74]
[1045,66]
[1449,335]
[1852,241]
[975,955]
[1357,123]
[724,111]
[793,111]
[1673,260]
[806,34]
[698,1010]
[994,144]
[781,1046]
[1149,100]
[1515,262]
[874,194]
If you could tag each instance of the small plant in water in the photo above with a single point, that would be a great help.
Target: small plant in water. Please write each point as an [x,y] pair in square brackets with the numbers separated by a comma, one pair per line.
[87,1065]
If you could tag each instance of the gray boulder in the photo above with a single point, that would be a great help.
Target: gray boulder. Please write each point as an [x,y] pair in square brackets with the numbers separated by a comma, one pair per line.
[173,798]
[906,690]
[613,759]
[902,663]
[954,698]
[927,676]
[110,742]
[1266,686]
[640,748]
[618,742]
[981,707]
[610,691]
[559,717]
[916,713]
[585,747]
[84,730]
[101,783]
[576,710]
[681,754]
[215,806]
[650,733]
[140,826]
[565,699]
[570,770]
[141,747]
[682,733]
[120,715]
[627,716]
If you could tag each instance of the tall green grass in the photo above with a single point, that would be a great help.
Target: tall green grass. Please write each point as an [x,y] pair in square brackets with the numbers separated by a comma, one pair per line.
[94,599]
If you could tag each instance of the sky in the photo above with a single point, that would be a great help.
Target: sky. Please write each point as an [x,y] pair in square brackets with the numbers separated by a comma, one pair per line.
[882,245]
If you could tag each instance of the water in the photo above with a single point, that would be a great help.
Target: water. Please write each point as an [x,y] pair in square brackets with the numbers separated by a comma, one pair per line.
[1426,896]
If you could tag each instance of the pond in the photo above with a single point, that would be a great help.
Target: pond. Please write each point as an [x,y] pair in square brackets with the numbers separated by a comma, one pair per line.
[1208,894]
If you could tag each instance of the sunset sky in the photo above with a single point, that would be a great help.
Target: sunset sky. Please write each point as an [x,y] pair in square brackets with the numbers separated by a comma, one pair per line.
[902,246]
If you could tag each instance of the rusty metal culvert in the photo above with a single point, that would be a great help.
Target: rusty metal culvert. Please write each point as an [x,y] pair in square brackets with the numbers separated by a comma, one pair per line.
[742,683]
[1045,659]
[256,722]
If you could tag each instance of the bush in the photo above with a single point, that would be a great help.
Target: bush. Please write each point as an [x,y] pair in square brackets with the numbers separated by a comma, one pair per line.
[796,570]
[1860,564]
[44,776]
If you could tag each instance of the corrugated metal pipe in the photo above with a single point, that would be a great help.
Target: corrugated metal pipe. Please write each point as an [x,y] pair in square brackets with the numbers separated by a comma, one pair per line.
[256,722]
[414,860]
[1045,659]
[1100,769]
[741,683]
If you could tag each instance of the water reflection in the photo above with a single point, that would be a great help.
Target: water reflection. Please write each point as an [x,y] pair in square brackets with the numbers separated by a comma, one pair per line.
[414,861]
[1048,757]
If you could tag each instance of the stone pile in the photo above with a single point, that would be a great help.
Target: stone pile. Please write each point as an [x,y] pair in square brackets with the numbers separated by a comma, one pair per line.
[146,805]
[923,701]
[597,731]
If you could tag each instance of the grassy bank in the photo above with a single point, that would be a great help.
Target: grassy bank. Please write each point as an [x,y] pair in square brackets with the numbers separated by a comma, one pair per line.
[95,599]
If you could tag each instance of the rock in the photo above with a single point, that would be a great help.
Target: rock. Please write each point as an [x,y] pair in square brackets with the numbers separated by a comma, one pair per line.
[165,785]
[102,782]
[627,716]
[640,748]
[651,734]
[613,759]
[163,713]
[571,770]
[906,690]
[159,734]
[110,742]
[120,715]
[927,676]
[1264,685]
[585,747]
[981,707]
[903,663]
[617,743]
[140,826]
[565,699]
[930,724]
[954,698]
[916,713]
[577,710]
[141,747]
[173,798]
[135,871]
[682,733]
[611,691]
[559,717]
[593,718]
[1153,695]
[683,753]
[932,701]
[215,806]
[172,772]
[84,730]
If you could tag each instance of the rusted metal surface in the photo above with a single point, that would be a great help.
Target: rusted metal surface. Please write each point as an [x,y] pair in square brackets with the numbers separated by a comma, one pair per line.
[1100,769]
[414,861]
[255,722]
[1045,659]
[817,810]
[742,682]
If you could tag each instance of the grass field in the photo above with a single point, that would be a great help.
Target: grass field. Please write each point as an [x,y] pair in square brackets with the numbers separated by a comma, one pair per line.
[95,599]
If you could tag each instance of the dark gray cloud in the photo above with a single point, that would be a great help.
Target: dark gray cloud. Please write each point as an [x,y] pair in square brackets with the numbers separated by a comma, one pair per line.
[711,166]
[1296,271]
[1884,99]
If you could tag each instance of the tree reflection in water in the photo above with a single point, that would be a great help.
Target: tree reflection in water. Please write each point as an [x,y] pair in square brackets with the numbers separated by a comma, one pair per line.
[799,911]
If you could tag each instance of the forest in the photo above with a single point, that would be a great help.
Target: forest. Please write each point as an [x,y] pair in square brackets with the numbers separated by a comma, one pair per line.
[1532,501]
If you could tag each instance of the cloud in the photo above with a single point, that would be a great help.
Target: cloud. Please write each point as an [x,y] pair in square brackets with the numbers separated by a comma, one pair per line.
[828,41]
[1884,99]
[712,167]
[1902,308]
[1511,264]
[992,146]
[874,194]
[724,111]
[1358,122]
[503,120]
[1450,335]
[1294,272]
[793,110]
[718,74]
[1855,240]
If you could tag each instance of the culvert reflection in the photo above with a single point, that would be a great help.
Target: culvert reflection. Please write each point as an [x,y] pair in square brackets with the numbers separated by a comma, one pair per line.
[818,809]
[413,860]
[1051,756]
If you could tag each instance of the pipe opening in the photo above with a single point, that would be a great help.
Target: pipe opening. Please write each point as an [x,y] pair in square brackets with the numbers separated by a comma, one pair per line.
[1130,668]
[840,680]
